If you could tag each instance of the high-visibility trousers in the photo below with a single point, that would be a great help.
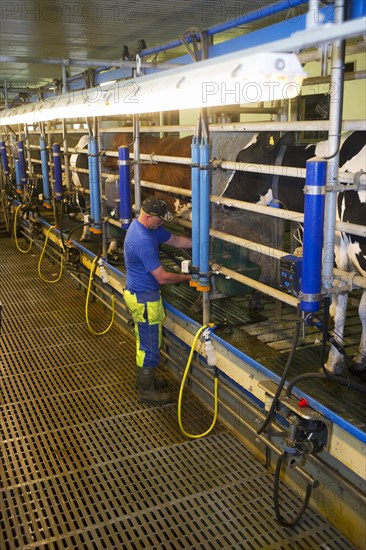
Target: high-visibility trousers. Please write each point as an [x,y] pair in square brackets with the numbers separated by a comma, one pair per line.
[148,314]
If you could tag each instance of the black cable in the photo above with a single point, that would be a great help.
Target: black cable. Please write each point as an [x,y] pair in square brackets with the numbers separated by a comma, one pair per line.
[284,374]
[329,377]
[77,227]
[276,486]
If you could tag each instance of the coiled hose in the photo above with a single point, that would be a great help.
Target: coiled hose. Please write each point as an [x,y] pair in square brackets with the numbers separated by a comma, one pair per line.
[15,232]
[180,397]
[91,275]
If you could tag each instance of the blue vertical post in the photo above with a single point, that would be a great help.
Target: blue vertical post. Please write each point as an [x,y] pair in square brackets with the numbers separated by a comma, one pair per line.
[124,186]
[17,177]
[204,281]
[57,169]
[4,158]
[195,176]
[22,166]
[95,199]
[47,196]
[316,171]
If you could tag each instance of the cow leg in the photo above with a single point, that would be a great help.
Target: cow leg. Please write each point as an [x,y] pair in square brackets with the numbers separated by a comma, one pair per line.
[359,360]
[113,247]
[86,230]
[338,310]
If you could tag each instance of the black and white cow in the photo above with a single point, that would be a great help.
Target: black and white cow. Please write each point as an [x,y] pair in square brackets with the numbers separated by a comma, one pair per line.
[350,252]
[80,180]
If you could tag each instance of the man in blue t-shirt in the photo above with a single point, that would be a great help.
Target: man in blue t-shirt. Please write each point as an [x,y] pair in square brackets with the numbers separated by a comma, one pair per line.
[144,275]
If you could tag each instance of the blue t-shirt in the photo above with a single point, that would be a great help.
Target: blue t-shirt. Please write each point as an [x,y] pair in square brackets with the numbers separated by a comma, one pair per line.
[141,252]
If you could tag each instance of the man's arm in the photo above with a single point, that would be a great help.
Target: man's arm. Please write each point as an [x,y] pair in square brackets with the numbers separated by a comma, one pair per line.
[179,241]
[167,278]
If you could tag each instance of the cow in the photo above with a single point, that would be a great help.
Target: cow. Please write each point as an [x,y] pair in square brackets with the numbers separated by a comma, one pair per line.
[175,175]
[172,174]
[266,189]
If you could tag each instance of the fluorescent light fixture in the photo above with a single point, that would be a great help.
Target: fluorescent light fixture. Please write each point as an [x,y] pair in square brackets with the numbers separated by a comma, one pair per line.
[107,83]
[226,80]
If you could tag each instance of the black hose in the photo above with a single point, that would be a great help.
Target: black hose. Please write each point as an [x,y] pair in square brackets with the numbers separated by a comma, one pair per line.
[330,377]
[76,228]
[276,486]
[284,374]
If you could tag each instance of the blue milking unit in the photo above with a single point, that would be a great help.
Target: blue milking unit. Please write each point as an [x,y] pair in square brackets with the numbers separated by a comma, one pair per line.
[57,171]
[45,176]
[22,166]
[204,219]
[195,176]
[95,209]
[316,171]
[4,159]
[17,177]
[124,186]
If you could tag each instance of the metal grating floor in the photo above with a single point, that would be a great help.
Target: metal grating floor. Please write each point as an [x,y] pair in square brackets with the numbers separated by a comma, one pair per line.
[85,466]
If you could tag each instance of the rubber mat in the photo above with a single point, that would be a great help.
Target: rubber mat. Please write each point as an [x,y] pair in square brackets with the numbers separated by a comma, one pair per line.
[85,466]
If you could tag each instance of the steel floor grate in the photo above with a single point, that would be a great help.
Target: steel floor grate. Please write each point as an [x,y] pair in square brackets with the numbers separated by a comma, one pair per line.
[85,466]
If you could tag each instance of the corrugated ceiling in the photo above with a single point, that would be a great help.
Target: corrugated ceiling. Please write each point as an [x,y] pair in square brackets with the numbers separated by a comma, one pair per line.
[88,29]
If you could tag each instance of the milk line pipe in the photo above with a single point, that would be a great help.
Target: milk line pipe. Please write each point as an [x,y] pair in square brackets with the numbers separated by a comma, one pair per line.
[256,15]
[47,196]
[124,186]
[343,177]
[311,286]
[57,171]
[296,125]
[195,209]
[357,280]
[290,171]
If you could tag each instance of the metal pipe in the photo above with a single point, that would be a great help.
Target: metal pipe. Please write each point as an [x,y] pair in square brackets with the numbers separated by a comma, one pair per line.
[284,214]
[263,12]
[94,63]
[298,126]
[359,75]
[316,171]
[335,125]
[357,280]
[266,289]
[124,186]
[47,196]
[29,158]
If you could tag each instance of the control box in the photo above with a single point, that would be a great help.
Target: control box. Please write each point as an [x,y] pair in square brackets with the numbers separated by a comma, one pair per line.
[290,274]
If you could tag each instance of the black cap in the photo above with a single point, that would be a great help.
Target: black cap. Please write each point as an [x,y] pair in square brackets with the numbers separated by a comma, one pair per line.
[157,207]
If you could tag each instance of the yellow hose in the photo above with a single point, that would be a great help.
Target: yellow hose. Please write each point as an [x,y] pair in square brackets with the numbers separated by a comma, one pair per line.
[41,257]
[87,303]
[180,398]
[15,233]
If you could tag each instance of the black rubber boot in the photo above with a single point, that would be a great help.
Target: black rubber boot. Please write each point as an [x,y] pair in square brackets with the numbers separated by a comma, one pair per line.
[148,392]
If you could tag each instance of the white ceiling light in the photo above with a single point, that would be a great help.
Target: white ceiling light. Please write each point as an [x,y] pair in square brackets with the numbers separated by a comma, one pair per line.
[226,80]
